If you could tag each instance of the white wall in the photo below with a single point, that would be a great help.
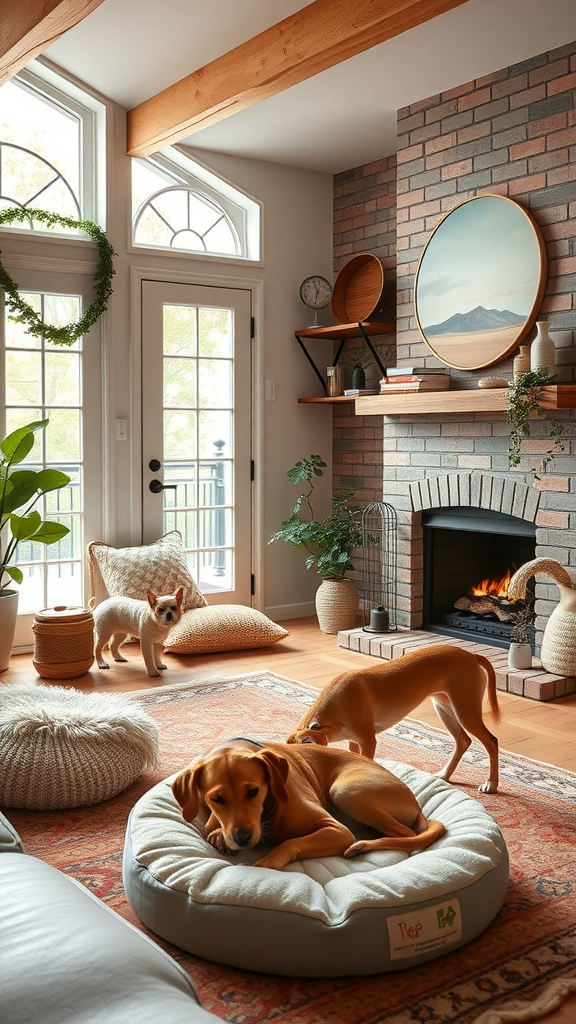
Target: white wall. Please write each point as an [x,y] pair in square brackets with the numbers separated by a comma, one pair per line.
[297,241]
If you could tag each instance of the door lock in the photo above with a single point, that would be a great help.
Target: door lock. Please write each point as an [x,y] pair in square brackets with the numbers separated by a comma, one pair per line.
[154,465]
[156,486]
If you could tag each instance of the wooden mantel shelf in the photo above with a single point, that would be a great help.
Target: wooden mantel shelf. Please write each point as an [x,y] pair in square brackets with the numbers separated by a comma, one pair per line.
[556,396]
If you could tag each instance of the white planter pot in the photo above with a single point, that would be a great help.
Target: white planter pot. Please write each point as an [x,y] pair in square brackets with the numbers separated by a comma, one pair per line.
[520,656]
[8,612]
[336,605]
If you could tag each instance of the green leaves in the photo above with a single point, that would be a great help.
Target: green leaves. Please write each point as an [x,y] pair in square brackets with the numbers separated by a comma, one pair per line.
[23,313]
[20,489]
[524,399]
[329,541]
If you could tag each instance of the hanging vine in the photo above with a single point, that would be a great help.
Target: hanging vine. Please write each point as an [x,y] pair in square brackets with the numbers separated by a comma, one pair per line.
[23,313]
[524,398]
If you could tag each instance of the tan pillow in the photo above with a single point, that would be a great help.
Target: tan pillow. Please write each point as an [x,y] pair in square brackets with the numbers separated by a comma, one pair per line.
[222,627]
[160,567]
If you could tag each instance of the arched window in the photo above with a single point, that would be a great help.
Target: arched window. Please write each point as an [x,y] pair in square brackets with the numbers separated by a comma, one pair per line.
[179,205]
[47,150]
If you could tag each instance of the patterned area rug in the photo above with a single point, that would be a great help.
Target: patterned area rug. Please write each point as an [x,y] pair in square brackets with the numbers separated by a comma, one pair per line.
[520,968]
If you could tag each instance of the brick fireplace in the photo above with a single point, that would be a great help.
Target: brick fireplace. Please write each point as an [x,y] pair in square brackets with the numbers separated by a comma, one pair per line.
[512,133]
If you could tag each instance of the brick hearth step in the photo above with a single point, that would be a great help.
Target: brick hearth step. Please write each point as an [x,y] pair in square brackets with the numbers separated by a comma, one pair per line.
[535,682]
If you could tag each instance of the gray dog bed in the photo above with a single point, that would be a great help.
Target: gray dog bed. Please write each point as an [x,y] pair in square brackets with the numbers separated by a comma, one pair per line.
[323,916]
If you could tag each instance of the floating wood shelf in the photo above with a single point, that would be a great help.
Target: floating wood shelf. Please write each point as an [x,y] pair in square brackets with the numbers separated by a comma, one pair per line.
[328,401]
[555,396]
[336,331]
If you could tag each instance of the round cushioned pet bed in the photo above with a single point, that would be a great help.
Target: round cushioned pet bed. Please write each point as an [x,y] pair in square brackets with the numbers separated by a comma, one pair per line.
[323,916]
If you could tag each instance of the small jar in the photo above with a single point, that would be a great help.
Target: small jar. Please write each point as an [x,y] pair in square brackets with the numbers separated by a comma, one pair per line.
[521,362]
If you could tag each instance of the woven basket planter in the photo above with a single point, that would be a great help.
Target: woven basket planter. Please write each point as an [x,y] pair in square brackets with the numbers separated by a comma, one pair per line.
[558,654]
[336,605]
[63,642]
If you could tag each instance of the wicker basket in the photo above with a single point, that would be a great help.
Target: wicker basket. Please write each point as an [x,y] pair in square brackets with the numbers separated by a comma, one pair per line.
[63,642]
[337,605]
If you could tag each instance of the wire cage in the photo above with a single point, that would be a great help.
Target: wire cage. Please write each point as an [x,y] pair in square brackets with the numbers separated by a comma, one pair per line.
[379,597]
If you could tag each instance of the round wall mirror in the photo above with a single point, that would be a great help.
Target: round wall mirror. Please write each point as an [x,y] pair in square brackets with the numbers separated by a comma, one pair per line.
[480,282]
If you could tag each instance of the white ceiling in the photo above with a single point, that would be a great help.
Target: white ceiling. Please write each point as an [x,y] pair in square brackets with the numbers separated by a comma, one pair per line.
[346,116]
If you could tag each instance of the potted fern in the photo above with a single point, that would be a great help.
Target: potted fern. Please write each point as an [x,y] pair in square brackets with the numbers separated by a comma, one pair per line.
[20,490]
[329,543]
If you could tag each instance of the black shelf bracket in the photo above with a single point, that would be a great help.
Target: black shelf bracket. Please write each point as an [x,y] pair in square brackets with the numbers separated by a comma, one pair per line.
[312,363]
[372,349]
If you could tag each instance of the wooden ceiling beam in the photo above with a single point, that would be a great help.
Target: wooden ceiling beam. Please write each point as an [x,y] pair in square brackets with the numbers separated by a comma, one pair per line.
[319,36]
[27,27]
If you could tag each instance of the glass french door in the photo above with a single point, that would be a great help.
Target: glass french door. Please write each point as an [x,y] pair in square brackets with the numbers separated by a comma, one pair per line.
[196,430]
[41,380]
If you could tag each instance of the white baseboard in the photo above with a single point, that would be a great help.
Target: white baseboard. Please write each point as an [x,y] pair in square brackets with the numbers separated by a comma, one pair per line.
[290,611]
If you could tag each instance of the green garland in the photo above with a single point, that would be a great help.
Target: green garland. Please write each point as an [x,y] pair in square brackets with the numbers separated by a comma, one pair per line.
[524,397]
[22,313]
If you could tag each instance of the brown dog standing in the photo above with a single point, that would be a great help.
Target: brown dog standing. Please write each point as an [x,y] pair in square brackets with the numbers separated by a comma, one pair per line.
[356,705]
[245,792]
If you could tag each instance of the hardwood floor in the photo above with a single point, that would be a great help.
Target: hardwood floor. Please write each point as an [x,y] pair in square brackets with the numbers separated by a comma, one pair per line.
[545,731]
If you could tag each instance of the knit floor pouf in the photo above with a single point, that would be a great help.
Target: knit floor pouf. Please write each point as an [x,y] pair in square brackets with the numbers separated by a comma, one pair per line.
[62,748]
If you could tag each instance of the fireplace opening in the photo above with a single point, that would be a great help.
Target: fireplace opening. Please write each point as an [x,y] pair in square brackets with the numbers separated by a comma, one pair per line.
[469,556]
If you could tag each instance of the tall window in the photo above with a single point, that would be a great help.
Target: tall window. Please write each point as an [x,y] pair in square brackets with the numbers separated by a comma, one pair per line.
[44,381]
[178,205]
[47,150]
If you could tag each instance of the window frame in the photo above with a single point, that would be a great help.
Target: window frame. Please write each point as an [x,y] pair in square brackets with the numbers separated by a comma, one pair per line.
[180,170]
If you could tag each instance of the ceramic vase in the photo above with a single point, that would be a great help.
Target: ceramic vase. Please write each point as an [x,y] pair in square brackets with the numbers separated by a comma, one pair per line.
[520,655]
[358,377]
[8,613]
[543,349]
[336,605]
[521,362]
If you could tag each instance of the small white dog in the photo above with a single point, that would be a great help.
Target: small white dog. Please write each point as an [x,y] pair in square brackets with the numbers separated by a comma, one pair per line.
[119,617]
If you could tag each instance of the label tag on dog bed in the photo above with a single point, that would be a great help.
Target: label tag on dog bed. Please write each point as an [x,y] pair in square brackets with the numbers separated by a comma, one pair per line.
[423,930]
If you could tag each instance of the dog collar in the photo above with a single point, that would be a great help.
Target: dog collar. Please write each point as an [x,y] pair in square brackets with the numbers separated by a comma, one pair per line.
[245,740]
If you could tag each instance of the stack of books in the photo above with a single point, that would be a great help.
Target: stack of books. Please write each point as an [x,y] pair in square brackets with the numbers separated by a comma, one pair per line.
[414,378]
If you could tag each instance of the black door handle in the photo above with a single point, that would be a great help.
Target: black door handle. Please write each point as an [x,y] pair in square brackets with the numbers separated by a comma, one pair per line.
[156,486]
[154,465]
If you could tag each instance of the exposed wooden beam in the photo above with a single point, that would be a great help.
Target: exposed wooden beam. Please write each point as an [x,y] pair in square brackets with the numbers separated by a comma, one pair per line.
[27,27]
[319,36]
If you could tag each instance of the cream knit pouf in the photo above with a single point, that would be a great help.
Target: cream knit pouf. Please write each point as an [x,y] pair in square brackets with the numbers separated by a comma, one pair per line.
[60,747]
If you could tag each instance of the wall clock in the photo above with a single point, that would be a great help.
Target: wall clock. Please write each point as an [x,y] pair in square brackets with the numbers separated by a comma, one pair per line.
[315,293]
[480,282]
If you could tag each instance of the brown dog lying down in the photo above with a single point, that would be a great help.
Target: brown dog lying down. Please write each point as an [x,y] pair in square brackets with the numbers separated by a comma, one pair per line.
[245,792]
[358,704]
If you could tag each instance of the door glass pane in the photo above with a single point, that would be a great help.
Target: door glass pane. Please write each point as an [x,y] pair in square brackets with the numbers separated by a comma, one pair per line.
[198,398]
[43,381]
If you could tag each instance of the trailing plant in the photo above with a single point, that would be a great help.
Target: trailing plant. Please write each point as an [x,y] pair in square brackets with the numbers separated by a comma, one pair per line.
[23,312]
[524,398]
[20,489]
[330,541]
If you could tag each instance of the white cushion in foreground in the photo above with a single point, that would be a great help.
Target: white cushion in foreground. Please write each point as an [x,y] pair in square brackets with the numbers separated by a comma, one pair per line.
[323,916]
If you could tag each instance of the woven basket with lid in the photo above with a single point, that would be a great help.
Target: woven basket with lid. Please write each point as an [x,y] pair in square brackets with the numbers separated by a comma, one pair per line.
[63,641]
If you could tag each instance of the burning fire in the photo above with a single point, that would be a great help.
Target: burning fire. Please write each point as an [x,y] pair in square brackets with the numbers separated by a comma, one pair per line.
[492,588]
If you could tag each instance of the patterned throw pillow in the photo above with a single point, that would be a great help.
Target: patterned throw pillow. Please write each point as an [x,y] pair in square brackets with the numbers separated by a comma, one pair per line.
[160,567]
[222,627]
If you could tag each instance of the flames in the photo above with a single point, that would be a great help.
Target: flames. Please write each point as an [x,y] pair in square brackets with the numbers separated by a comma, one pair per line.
[492,588]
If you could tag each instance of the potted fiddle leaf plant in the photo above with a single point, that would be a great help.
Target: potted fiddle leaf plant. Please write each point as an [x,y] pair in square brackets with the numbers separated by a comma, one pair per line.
[329,543]
[20,490]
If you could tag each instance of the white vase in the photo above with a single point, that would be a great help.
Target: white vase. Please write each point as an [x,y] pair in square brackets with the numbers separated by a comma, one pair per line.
[336,605]
[8,613]
[520,656]
[543,349]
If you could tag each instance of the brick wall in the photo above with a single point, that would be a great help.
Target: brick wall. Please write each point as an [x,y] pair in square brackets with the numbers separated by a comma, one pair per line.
[512,133]
[364,221]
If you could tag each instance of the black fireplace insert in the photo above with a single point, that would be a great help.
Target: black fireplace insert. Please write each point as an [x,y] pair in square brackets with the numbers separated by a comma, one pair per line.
[468,551]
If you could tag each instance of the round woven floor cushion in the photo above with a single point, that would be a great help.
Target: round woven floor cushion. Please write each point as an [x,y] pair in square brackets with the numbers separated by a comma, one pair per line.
[323,916]
[61,748]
